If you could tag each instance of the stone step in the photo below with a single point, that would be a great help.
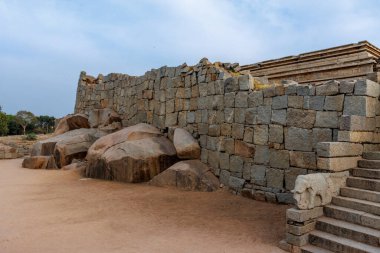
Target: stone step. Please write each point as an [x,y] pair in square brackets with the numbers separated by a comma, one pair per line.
[348,230]
[339,244]
[313,249]
[360,194]
[357,204]
[352,216]
[371,155]
[370,164]
[367,173]
[364,183]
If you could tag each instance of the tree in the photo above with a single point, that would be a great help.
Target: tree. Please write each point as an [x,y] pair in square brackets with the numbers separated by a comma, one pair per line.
[3,123]
[46,123]
[25,118]
[13,127]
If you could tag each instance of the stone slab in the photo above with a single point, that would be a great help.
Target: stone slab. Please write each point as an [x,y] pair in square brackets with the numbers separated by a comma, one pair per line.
[337,163]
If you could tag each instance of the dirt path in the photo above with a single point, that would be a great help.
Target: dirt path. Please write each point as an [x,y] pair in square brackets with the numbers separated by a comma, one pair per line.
[54,211]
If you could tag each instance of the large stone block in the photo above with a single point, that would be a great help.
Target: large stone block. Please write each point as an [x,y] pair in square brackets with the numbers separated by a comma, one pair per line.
[275,178]
[314,102]
[367,88]
[327,119]
[357,123]
[280,102]
[260,134]
[238,131]
[244,149]
[334,103]
[360,105]
[258,175]
[322,135]
[337,163]
[299,139]
[300,118]
[303,215]
[264,114]
[347,87]
[279,117]
[236,183]
[239,115]
[276,133]
[327,89]
[279,158]
[255,99]
[303,159]
[241,99]
[291,175]
[251,116]
[236,163]
[246,82]
[261,154]
[295,102]
[338,149]
[359,137]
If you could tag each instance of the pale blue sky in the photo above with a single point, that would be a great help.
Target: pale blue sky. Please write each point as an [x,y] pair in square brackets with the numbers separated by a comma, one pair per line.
[45,44]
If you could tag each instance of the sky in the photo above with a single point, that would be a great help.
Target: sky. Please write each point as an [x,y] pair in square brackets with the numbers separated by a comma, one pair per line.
[44,45]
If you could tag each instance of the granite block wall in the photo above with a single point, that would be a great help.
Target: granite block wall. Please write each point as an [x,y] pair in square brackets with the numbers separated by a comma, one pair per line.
[257,137]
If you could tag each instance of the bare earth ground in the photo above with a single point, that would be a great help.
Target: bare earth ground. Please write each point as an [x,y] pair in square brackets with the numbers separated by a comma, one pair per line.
[55,211]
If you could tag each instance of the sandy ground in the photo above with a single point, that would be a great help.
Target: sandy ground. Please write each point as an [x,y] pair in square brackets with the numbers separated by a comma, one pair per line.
[55,211]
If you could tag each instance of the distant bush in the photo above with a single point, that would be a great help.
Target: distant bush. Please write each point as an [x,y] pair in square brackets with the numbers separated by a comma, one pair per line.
[31,137]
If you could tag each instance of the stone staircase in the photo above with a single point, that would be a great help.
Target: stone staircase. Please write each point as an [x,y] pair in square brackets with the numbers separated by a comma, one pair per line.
[352,220]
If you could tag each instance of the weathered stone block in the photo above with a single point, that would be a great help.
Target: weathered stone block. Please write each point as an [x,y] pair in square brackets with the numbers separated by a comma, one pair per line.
[247,171]
[279,117]
[264,114]
[214,130]
[260,134]
[171,119]
[322,135]
[360,105]
[275,178]
[231,84]
[359,137]
[213,159]
[229,115]
[327,89]
[300,230]
[337,149]
[367,88]
[305,90]
[327,119]
[248,135]
[229,99]
[298,139]
[255,99]
[244,149]
[251,116]
[347,87]
[276,133]
[246,82]
[261,154]
[337,163]
[236,183]
[357,123]
[258,175]
[229,145]
[295,102]
[239,115]
[224,177]
[300,118]
[241,99]
[280,102]
[224,163]
[314,102]
[334,103]
[279,158]
[236,163]
[238,131]
[226,129]
[303,215]
[303,159]
[270,197]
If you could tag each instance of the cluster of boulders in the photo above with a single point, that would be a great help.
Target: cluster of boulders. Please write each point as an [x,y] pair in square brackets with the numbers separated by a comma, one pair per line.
[139,153]
[8,152]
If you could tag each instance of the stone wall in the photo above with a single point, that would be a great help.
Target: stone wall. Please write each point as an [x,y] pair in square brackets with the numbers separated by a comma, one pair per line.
[257,138]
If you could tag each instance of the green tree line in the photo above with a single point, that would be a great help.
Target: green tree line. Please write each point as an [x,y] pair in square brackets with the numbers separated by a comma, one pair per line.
[25,122]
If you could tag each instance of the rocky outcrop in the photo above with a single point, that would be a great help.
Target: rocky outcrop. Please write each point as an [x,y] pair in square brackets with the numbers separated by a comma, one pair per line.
[133,154]
[71,122]
[186,146]
[7,152]
[68,146]
[190,175]
[39,162]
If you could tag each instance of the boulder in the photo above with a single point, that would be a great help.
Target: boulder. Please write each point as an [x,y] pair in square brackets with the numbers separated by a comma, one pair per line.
[190,175]
[103,117]
[187,147]
[136,132]
[39,162]
[71,122]
[8,152]
[68,146]
[132,161]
